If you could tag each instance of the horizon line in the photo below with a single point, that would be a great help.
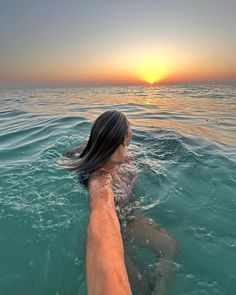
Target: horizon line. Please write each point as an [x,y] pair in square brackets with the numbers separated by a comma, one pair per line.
[107,84]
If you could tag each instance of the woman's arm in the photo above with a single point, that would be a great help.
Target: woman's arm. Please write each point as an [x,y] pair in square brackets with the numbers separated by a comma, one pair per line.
[106,272]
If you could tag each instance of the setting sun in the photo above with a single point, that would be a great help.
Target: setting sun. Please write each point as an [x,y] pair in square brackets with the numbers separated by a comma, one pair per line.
[151,70]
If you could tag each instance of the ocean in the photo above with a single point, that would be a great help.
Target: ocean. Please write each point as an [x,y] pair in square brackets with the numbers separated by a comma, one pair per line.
[184,137]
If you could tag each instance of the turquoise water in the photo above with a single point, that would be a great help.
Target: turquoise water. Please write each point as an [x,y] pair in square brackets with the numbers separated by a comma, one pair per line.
[185,140]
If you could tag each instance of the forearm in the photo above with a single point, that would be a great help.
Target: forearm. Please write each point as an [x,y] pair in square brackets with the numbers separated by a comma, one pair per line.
[106,272]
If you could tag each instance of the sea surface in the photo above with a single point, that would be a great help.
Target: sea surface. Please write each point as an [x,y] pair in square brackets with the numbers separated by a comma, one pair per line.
[185,139]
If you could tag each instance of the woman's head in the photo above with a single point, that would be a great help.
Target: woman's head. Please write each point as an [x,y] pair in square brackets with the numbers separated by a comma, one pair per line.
[110,133]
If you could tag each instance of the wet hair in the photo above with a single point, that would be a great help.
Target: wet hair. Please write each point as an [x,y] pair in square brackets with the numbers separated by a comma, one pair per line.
[108,132]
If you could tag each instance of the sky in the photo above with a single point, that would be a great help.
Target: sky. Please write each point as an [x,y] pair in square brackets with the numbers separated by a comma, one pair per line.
[87,42]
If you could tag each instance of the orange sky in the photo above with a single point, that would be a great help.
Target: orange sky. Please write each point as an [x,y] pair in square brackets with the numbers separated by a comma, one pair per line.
[77,43]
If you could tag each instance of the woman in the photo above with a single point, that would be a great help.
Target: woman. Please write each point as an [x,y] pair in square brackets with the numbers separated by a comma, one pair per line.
[105,167]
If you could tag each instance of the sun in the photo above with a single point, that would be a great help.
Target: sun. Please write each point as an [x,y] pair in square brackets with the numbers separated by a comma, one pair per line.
[152,73]
[151,70]
[151,81]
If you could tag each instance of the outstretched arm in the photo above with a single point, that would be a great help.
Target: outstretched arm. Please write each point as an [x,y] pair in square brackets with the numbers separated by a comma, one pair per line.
[106,272]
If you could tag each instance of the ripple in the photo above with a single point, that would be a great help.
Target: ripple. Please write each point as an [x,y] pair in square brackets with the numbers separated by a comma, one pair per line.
[184,143]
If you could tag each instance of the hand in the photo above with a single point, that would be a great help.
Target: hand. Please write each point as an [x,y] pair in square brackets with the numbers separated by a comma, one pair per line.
[100,177]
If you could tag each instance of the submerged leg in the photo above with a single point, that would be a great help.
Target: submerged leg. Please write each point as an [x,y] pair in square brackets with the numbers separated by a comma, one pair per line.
[145,232]
[135,277]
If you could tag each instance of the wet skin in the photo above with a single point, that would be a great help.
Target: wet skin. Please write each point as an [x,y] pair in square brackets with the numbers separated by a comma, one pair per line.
[142,230]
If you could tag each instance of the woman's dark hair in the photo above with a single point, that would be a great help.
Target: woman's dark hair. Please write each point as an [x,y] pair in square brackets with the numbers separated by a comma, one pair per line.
[108,132]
